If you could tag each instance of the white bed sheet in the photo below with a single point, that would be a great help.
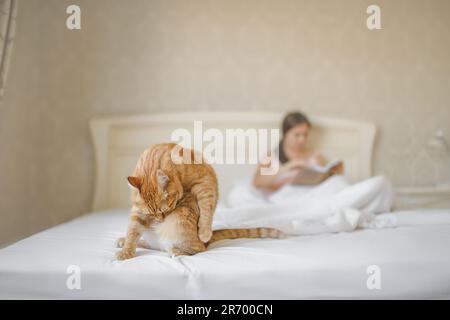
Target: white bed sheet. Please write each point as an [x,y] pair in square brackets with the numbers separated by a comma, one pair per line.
[414,259]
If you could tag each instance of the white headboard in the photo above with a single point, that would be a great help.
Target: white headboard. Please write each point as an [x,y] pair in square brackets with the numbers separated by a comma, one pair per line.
[118,142]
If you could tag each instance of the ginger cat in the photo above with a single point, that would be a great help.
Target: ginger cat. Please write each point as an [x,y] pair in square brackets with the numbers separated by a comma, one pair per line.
[173,206]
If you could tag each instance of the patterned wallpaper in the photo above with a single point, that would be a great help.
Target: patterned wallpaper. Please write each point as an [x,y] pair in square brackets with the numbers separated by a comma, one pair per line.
[8,11]
[167,55]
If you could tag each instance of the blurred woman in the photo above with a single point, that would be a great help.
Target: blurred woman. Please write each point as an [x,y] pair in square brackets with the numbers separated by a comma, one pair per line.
[292,154]
[334,205]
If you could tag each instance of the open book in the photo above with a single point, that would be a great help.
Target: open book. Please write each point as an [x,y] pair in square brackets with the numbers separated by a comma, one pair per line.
[316,174]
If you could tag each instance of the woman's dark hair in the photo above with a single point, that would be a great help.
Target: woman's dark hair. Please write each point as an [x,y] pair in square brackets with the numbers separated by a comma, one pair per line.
[291,120]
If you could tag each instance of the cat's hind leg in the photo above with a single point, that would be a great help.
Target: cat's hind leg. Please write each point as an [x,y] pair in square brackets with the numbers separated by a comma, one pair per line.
[206,200]
[181,228]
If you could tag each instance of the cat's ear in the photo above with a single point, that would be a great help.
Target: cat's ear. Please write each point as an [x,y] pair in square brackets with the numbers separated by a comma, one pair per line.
[134,182]
[163,179]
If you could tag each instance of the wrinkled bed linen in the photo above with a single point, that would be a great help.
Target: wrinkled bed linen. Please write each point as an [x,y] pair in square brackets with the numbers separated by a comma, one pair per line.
[414,260]
[333,206]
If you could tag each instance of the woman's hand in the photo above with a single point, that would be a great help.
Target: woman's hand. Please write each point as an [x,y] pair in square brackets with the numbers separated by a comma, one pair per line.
[294,165]
[338,169]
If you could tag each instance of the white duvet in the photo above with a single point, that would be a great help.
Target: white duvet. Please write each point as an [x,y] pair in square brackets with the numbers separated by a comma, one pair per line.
[333,206]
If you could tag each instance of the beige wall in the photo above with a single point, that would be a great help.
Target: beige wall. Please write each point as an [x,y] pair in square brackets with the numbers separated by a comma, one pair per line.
[146,56]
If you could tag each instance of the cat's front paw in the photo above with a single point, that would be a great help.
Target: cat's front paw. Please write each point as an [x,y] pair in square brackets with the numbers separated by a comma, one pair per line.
[125,254]
[204,234]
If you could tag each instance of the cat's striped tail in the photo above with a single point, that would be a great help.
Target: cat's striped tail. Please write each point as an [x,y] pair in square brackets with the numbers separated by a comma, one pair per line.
[246,233]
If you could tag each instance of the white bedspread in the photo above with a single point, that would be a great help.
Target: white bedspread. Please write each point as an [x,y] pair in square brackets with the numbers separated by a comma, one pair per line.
[333,206]
[414,260]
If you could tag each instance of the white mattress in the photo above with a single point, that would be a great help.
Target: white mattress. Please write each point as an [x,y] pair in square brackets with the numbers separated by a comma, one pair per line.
[414,260]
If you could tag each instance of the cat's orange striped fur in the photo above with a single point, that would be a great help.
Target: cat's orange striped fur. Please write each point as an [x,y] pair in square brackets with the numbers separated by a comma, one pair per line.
[173,206]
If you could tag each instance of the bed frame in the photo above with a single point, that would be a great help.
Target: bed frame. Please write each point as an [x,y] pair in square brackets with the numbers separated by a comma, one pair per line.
[118,142]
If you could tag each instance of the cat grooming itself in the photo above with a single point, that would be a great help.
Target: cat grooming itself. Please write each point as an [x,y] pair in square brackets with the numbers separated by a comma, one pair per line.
[173,205]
